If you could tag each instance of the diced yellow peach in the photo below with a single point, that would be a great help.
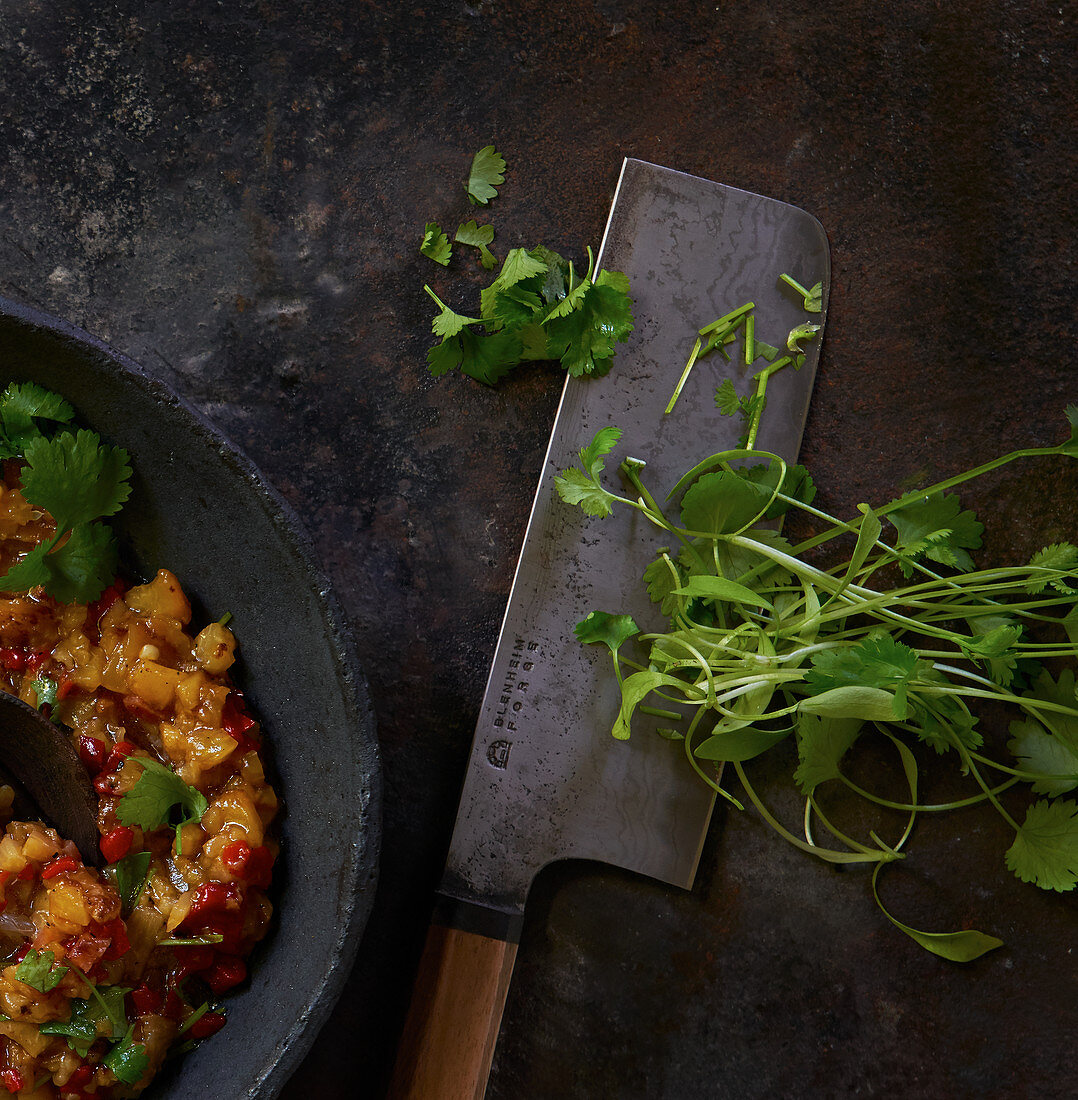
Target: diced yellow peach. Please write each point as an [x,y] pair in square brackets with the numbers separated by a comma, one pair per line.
[234,808]
[153,683]
[215,648]
[11,856]
[39,847]
[162,596]
[67,906]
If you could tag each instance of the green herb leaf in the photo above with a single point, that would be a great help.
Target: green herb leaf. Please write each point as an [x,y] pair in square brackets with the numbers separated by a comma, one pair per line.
[1061,556]
[1037,750]
[602,627]
[75,478]
[45,688]
[821,744]
[721,502]
[936,528]
[1045,849]
[157,794]
[435,245]
[739,744]
[581,486]
[486,175]
[480,237]
[40,970]
[132,873]
[20,405]
[710,587]
[127,1060]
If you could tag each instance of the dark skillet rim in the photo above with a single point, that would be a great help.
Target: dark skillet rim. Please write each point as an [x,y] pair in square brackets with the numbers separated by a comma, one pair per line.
[362,871]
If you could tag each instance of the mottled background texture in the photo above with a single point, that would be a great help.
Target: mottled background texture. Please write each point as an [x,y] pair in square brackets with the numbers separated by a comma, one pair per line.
[233,193]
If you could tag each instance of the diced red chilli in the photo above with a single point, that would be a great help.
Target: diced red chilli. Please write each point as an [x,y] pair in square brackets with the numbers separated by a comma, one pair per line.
[20,954]
[96,610]
[65,687]
[189,960]
[28,873]
[106,783]
[12,1078]
[226,973]
[117,932]
[120,752]
[116,843]
[35,661]
[173,1007]
[235,856]
[93,753]
[80,1077]
[14,660]
[237,723]
[60,866]
[209,1023]
[146,1000]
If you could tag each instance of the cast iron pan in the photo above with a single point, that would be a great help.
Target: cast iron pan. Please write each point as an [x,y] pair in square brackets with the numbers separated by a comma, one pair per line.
[201,509]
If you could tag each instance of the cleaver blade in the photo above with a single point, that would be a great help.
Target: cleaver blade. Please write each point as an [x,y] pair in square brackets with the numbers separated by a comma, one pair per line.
[545,780]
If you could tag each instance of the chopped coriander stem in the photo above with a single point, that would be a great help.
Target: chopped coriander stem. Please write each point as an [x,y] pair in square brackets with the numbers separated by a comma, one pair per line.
[792,282]
[193,1018]
[683,379]
[750,339]
[658,712]
[727,319]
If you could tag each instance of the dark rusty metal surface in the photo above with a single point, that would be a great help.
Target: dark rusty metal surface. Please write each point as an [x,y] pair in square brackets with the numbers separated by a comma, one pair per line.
[234,194]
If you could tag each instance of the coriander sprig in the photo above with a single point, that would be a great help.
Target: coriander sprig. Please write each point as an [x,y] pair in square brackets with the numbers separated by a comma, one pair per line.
[766,643]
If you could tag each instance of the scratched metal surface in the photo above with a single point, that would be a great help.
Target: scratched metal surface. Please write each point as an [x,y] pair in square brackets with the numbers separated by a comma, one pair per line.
[546,781]
[234,195]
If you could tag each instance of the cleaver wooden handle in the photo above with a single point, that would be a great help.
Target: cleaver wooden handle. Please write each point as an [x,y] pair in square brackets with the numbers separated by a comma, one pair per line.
[452,1025]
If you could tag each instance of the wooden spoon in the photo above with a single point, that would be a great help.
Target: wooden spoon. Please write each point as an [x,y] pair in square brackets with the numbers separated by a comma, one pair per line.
[40,758]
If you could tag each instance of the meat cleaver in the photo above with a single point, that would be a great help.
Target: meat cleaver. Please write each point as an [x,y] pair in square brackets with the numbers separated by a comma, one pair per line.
[546,781]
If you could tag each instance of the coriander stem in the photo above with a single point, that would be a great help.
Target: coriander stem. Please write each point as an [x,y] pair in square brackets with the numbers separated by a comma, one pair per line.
[683,379]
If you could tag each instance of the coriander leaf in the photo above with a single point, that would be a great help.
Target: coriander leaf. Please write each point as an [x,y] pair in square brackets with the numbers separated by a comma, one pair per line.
[131,874]
[821,744]
[29,572]
[1061,693]
[739,744]
[84,566]
[1037,750]
[127,1060]
[157,792]
[448,323]
[487,172]
[727,400]
[45,688]
[20,405]
[795,483]
[879,662]
[870,704]
[936,528]
[80,1029]
[40,971]
[478,236]
[486,358]
[995,649]
[661,577]
[1062,556]
[436,245]
[721,502]
[584,339]
[75,478]
[575,487]
[710,587]
[1045,849]
[634,689]
[602,627]
[517,306]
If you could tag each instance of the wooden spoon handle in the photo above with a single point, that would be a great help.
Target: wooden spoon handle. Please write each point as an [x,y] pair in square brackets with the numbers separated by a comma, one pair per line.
[452,1025]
